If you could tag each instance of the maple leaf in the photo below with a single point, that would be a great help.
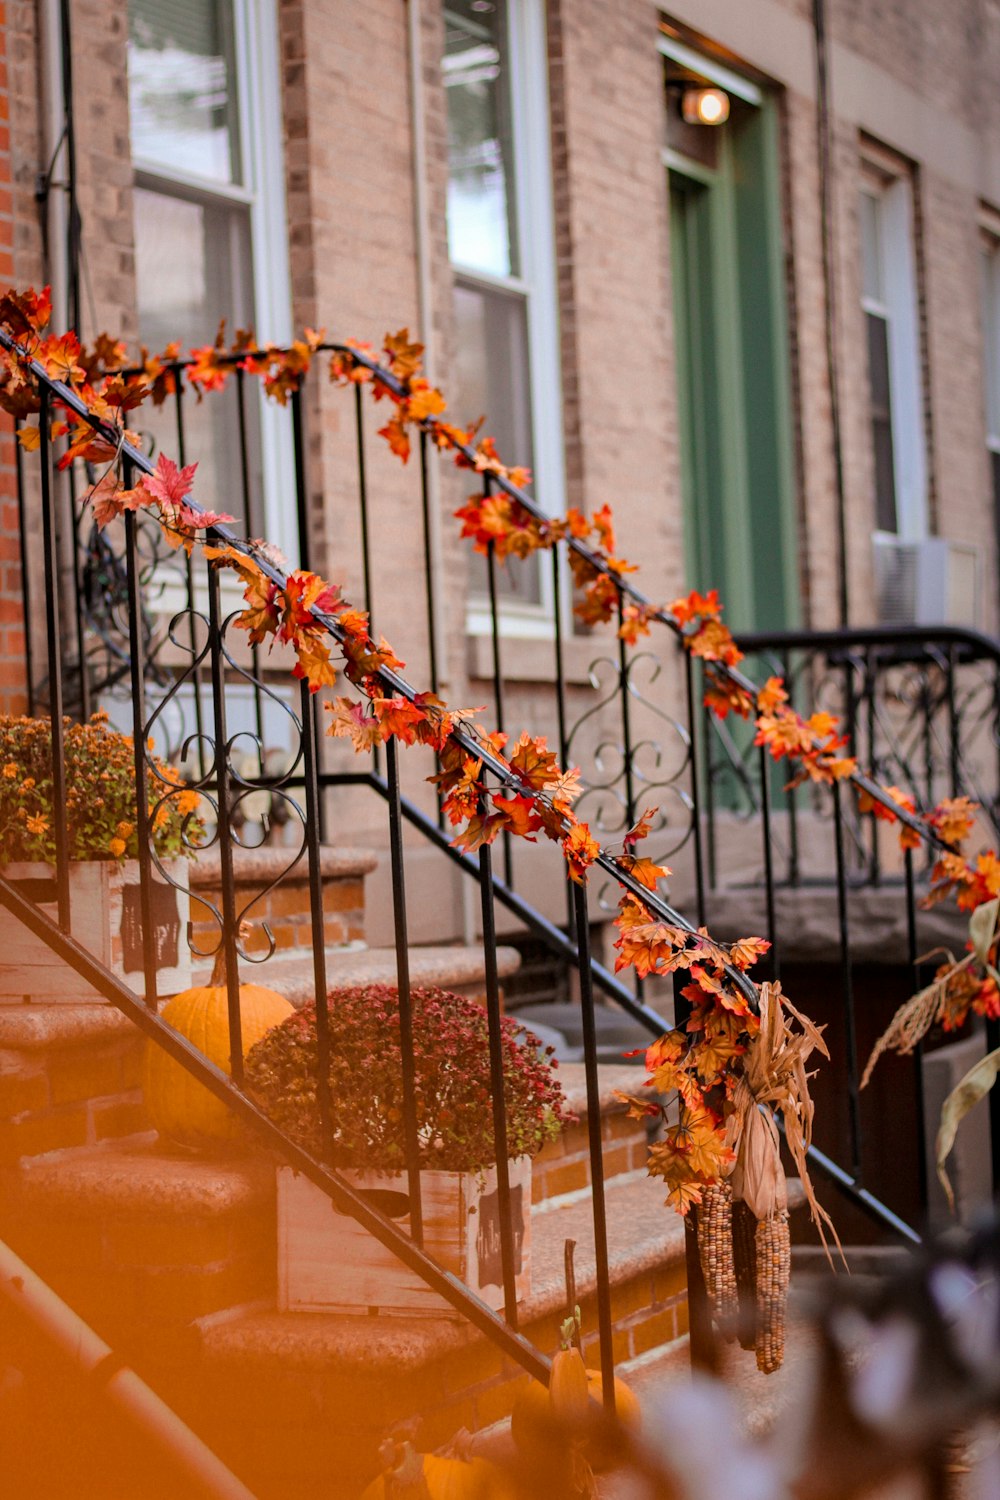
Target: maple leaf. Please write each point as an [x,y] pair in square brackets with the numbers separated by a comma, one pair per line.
[696,606]
[423,401]
[644,870]
[953,818]
[349,721]
[396,436]
[27,312]
[109,500]
[724,697]
[745,952]
[30,438]
[535,764]
[314,664]
[771,696]
[683,1196]
[125,395]
[405,358]
[169,484]
[305,593]
[480,831]
[641,829]
[518,814]
[398,718]
[581,849]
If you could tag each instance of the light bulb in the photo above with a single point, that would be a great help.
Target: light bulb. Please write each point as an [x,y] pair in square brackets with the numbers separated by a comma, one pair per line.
[705,106]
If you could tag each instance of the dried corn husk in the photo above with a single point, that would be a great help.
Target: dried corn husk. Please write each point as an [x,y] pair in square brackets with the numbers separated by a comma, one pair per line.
[774,1075]
[745,1266]
[774,1263]
[715,1251]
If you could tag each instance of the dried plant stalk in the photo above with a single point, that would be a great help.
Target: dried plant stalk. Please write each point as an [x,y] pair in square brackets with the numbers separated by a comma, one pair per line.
[715,1250]
[745,1264]
[774,1264]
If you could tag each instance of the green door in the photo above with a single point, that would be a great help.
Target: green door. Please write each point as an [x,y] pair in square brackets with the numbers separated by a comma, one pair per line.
[732,374]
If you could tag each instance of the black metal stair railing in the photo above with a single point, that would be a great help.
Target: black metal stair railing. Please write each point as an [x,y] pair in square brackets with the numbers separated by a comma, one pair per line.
[216,704]
[202,634]
[919,708]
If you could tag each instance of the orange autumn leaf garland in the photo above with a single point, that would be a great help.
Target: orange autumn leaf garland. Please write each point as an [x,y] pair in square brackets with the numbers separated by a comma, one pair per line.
[721,1019]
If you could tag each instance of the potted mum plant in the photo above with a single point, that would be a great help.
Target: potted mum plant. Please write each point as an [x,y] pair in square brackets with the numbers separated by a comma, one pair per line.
[326,1261]
[100,817]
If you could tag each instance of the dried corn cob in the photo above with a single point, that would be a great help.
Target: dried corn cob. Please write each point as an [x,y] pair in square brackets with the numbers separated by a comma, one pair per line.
[774,1262]
[745,1264]
[715,1250]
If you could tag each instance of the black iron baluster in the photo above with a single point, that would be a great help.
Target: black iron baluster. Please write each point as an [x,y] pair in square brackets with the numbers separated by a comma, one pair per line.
[699,854]
[317,918]
[430,588]
[199,718]
[765,822]
[51,566]
[81,636]
[311,724]
[137,672]
[229,936]
[791,799]
[491,574]
[927,706]
[871,687]
[561,700]
[953,727]
[22,522]
[589,1032]
[493,1017]
[918,1051]
[992,1043]
[255,657]
[366,568]
[411,1136]
[623,688]
[710,798]
[850,1027]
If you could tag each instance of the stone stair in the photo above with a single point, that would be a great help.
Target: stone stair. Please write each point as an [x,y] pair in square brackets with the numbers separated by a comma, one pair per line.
[172,1257]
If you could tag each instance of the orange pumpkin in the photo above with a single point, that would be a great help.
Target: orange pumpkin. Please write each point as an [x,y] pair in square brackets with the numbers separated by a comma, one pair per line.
[533,1419]
[442,1478]
[180,1107]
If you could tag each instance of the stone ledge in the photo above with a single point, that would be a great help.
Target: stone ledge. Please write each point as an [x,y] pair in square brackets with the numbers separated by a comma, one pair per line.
[291,972]
[38,1026]
[610,1076]
[271,861]
[643,1236]
[147,1178]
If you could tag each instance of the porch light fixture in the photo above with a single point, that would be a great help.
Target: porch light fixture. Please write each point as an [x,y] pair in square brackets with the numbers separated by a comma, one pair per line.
[705,106]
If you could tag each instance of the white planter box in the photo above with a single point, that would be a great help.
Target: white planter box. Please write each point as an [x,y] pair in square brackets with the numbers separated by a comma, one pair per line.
[105,918]
[328,1263]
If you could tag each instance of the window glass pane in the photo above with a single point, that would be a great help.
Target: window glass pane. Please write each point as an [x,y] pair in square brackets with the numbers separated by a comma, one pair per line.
[182,87]
[871,249]
[193,268]
[990,266]
[480,182]
[491,376]
[881,413]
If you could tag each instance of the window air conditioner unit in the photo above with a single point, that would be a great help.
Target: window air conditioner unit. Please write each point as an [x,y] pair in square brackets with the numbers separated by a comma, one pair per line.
[930,582]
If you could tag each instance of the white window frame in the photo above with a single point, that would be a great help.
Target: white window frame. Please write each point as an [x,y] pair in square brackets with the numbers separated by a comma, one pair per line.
[534,226]
[990,284]
[893,194]
[258,93]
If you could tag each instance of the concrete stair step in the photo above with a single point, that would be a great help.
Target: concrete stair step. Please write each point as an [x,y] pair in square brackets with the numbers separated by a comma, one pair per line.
[70,1076]
[458,968]
[298,1402]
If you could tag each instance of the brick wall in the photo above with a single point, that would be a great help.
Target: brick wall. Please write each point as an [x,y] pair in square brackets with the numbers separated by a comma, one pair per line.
[13,698]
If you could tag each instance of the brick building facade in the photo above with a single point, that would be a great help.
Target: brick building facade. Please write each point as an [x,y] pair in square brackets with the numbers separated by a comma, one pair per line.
[514,182]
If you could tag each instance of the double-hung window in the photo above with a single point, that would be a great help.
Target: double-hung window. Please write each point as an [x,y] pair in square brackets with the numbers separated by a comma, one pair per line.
[210,237]
[990,283]
[501,248]
[889,303]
